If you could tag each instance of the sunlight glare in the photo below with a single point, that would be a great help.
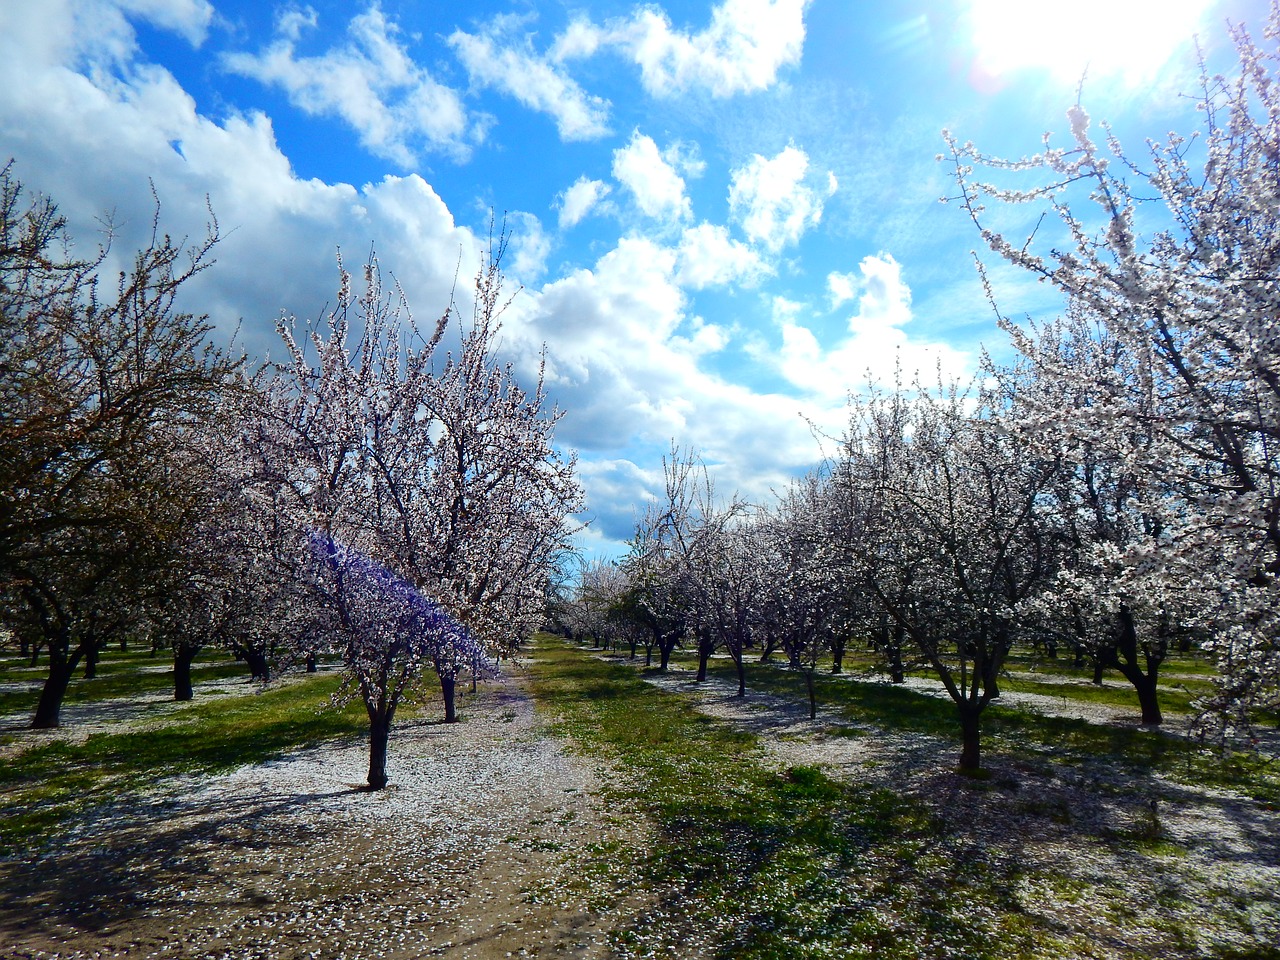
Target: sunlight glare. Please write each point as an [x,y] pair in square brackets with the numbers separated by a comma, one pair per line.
[1130,39]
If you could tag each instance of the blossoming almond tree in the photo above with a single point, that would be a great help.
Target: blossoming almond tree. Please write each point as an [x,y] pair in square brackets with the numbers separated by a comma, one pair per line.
[963,550]
[438,470]
[1173,254]
[97,386]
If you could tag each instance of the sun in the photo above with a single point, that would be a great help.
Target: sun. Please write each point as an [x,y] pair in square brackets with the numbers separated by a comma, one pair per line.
[1128,40]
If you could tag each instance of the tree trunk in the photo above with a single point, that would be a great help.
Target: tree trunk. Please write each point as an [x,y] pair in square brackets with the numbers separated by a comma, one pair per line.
[257,661]
[704,654]
[971,751]
[1149,701]
[91,662]
[739,661]
[1126,661]
[813,693]
[49,708]
[182,658]
[897,672]
[837,656]
[311,662]
[379,733]
[664,655]
[1097,672]
[448,688]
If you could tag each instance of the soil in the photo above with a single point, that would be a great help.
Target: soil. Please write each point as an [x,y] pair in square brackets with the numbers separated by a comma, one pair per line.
[473,851]
[486,842]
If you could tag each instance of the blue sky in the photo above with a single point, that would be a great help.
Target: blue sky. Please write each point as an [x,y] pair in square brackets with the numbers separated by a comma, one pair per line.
[724,213]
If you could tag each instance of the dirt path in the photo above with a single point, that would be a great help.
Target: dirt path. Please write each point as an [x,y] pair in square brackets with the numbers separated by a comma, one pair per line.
[468,854]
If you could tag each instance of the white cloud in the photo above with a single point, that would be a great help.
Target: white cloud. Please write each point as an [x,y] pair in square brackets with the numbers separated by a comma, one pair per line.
[279,232]
[371,82]
[771,199]
[708,257]
[841,287]
[190,18]
[533,81]
[657,187]
[623,356]
[741,50]
[528,249]
[876,344]
[580,199]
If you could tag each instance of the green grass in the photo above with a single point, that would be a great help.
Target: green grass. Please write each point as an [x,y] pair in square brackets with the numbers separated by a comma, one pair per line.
[119,674]
[44,785]
[1022,734]
[768,865]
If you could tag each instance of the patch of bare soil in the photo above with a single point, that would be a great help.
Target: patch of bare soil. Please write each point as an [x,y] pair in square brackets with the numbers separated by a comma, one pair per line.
[1117,863]
[475,850]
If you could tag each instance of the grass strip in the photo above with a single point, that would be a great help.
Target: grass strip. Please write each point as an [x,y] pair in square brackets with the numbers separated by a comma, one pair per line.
[117,679]
[44,785]
[751,863]
[1022,733]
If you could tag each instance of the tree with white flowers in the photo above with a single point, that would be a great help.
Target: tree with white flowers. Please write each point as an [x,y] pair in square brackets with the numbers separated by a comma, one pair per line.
[949,542]
[418,479]
[101,384]
[1171,255]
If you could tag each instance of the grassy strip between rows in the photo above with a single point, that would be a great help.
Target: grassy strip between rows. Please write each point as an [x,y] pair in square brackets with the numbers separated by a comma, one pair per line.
[117,678]
[1063,739]
[43,786]
[754,864]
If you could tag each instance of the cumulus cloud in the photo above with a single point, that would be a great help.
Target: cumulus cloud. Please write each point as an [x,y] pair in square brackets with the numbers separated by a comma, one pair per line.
[623,356]
[741,50]
[708,257]
[580,200]
[875,345]
[659,191]
[371,82]
[529,246]
[771,199]
[499,62]
[139,126]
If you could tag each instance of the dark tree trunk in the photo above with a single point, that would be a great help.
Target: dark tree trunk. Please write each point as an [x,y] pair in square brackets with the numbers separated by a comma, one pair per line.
[1051,649]
[448,689]
[1149,701]
[897,672]
[49,708]
[664,655]
[35,655]
[971,750]
[704,654]
[1098,667]
[1126,660]
[379,733]
[648,654]
[813,692]
[311,662]
[837,655]
[739,661]
[259,669]
[91,662]
[182,658]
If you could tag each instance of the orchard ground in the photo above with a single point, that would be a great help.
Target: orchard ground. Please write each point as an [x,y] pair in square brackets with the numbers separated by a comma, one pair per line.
[588,807]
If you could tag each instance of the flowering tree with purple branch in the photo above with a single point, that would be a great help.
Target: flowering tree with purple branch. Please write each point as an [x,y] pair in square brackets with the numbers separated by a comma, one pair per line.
[387,631]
